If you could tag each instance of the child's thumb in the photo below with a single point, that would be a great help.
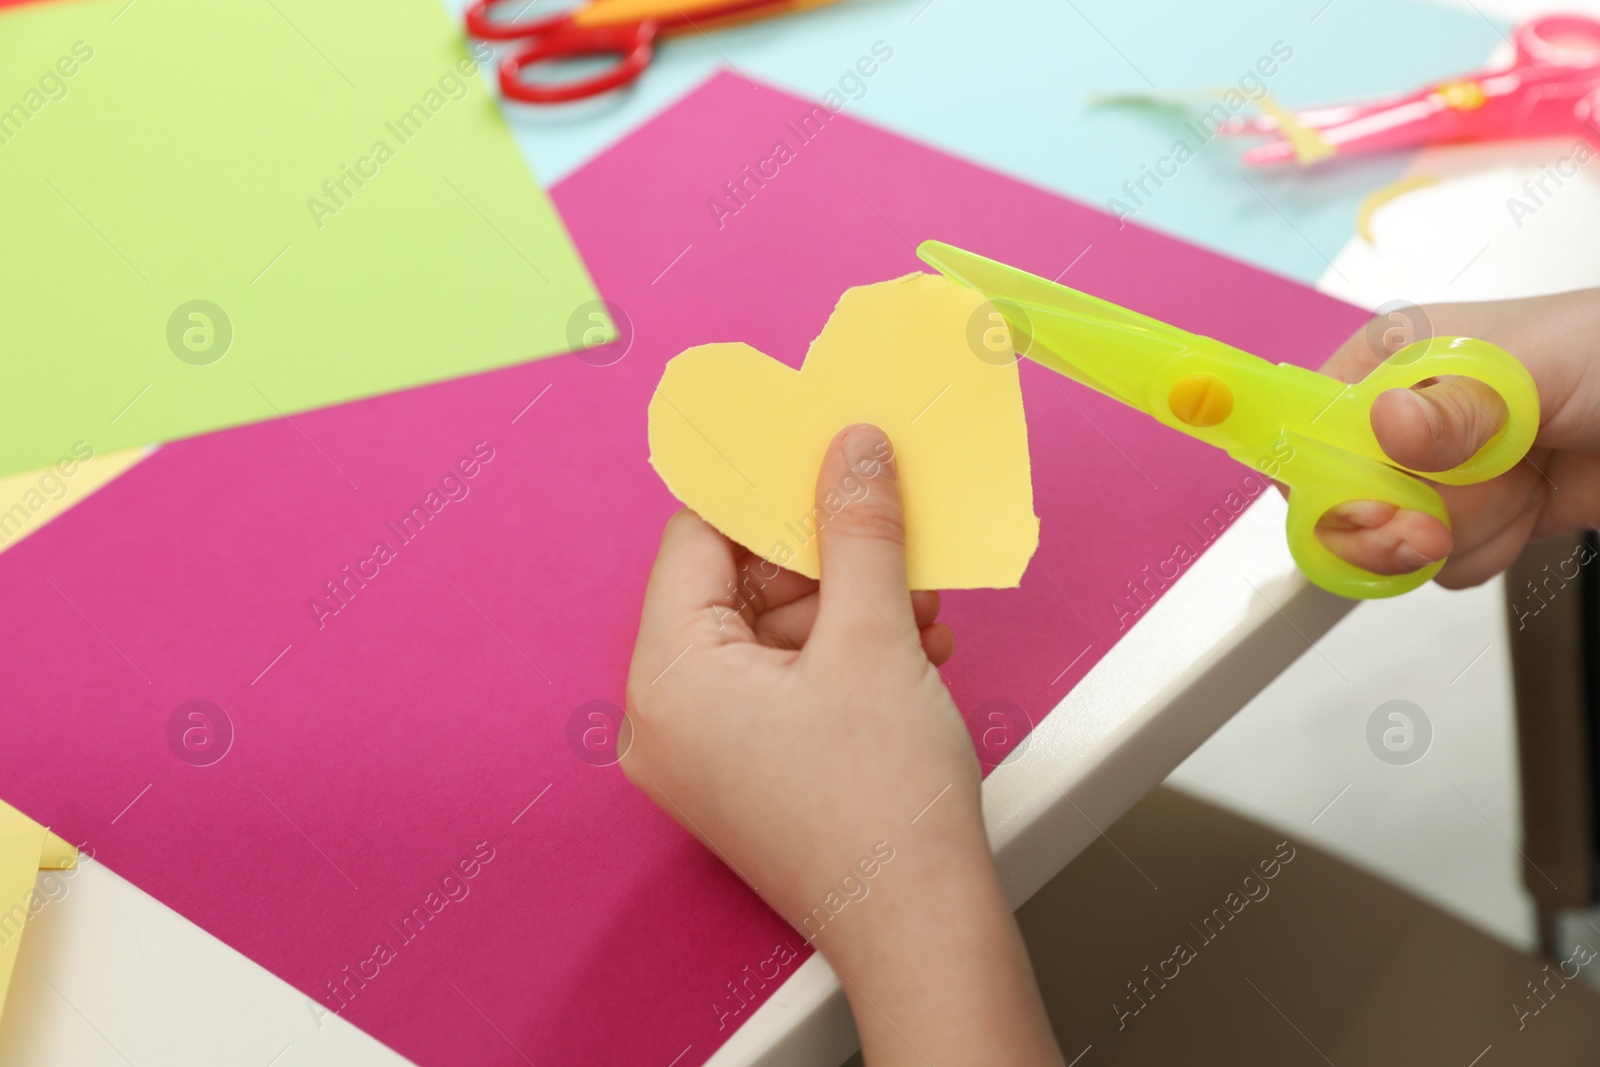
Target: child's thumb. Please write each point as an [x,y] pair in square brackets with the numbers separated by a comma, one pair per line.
[1439,426]
[861,532]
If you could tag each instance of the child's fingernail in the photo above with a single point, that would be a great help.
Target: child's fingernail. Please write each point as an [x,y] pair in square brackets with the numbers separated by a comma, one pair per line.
[867,449]
[1411,559]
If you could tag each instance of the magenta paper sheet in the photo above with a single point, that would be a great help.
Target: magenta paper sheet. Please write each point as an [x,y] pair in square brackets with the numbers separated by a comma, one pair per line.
[406,621]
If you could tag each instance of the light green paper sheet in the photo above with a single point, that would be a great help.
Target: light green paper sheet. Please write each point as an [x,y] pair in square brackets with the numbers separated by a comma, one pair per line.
[184,158]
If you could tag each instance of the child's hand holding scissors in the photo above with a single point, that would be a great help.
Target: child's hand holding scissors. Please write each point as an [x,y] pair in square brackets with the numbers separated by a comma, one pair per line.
[1436,426]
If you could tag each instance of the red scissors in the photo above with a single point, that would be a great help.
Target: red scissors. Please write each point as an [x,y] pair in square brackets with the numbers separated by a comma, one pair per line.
[624,28]
[1551,87]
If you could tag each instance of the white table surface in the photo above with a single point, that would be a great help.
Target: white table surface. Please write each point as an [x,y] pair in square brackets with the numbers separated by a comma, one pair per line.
[109,976]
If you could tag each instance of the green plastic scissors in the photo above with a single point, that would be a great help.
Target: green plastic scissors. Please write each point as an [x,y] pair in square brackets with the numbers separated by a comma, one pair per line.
[1310,432]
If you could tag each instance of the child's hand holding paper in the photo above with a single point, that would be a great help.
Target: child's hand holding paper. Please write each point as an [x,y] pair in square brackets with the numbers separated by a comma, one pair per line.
[801,729]
[803,733]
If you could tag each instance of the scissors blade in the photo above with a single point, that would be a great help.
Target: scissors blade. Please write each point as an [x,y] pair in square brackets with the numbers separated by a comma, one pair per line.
[1108,348]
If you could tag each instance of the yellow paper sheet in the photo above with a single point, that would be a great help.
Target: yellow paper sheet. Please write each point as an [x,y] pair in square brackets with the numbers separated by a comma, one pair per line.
[32,498]
[25,849]
[739,436]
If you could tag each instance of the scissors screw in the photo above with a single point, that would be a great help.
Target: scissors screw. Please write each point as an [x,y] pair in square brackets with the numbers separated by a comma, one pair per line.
[1200,400]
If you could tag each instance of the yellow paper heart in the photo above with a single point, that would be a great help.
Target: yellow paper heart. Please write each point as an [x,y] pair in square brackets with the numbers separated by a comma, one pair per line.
[738,436]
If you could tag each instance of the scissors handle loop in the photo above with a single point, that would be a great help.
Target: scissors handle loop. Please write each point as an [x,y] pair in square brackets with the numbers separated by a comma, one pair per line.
[1468,357]
[1561,42]
[1321,479]
[482,26]
[633,42]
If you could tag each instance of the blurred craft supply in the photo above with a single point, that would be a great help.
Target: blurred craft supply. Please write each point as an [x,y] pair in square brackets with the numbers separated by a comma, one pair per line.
[1296,426]
[1379,197]
[624,28]
[1551,87]
[26,848]
[1307,144]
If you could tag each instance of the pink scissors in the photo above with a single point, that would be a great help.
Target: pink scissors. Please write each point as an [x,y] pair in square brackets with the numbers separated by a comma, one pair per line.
[1552,87]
